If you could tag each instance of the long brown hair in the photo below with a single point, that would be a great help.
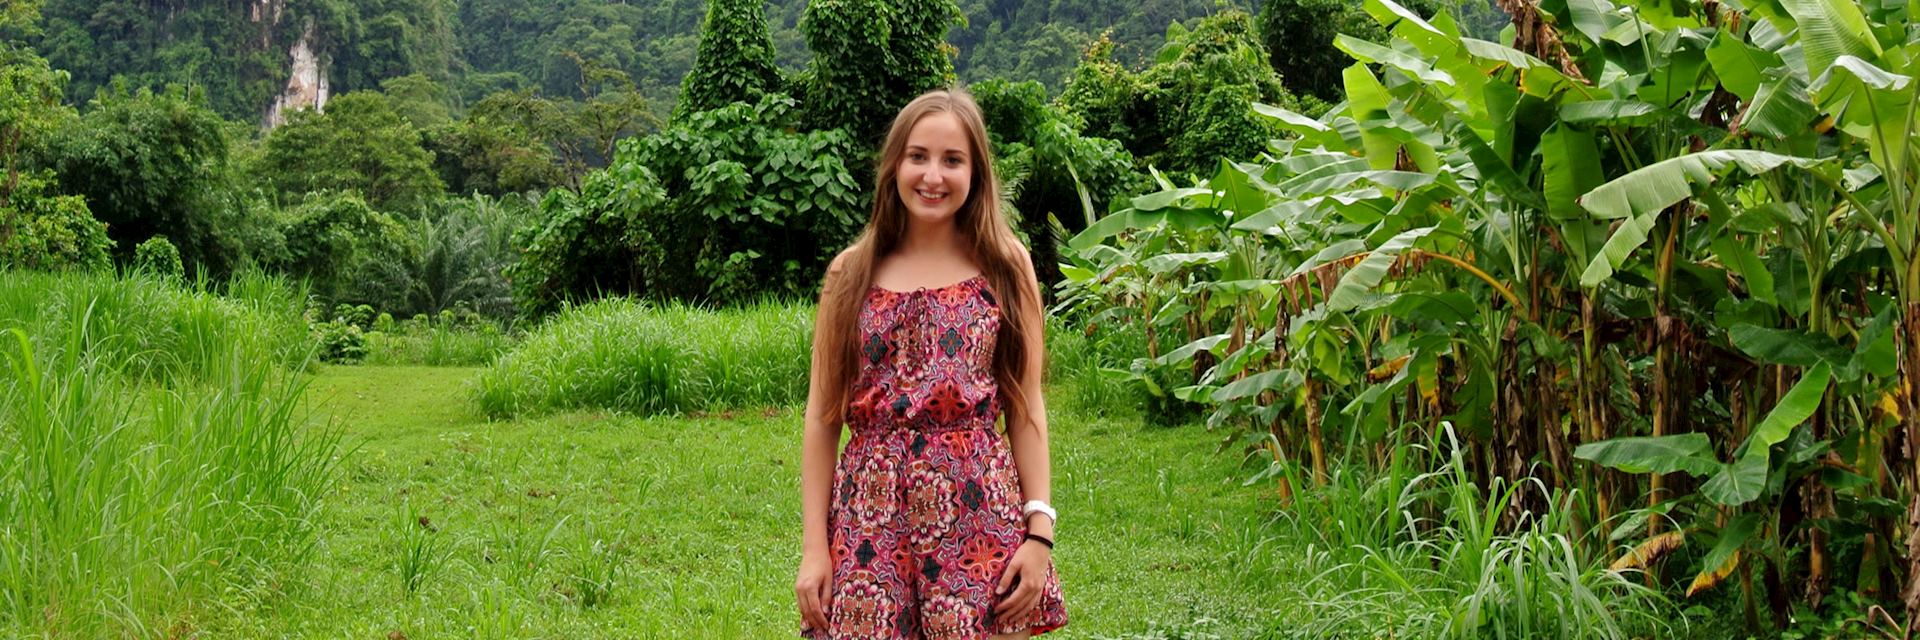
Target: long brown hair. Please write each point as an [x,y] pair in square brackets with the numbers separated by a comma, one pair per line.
[989,237]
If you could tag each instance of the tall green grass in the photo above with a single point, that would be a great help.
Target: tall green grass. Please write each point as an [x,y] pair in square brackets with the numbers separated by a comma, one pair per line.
[649,359]
[151,461]
[1087,370]
[152,328]
[1420,552]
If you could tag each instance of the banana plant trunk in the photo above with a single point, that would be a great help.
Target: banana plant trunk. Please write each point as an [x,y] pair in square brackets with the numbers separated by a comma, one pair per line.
[1663,329]
[1314,440]
[1908,399]
[1591,393]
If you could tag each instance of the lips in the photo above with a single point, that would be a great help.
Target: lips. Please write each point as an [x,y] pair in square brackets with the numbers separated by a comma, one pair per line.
[930,197]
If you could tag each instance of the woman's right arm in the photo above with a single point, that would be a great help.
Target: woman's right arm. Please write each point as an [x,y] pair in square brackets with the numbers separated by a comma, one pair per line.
[818,443]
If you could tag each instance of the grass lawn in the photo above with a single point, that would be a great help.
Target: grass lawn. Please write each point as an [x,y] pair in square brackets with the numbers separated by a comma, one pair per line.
[589,525]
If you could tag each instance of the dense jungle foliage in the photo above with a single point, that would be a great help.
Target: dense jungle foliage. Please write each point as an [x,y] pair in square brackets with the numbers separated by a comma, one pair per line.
[1575,318]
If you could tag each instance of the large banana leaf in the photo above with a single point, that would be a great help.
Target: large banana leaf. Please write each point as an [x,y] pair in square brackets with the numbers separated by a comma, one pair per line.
[1689,452]
[1746,478]
[1830,29]
[1780,109]
[1789,347]
[1641,195]
[1741,67]
[1312,132]
[1368,273]
[1365,51]
[1871,104]
[1570,166]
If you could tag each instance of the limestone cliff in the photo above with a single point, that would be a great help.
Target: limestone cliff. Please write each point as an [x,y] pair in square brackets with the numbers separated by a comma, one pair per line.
[307,80]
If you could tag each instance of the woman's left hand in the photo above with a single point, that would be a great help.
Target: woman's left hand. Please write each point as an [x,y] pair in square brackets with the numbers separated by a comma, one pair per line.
[1029,565]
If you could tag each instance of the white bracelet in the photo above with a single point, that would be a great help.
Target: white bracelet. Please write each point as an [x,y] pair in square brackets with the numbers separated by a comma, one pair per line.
[1035,506]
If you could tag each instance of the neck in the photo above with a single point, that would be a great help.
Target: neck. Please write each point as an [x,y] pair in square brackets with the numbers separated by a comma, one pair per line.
[931,238]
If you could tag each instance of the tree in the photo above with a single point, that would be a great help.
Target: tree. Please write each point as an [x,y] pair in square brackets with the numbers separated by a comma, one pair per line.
[1299,38]
[419,100]
[735,62]
[30,94]
[501,147]
[1047,166]
[360,145]
[727,205]
[873,56]
[152,163]
[1193,106]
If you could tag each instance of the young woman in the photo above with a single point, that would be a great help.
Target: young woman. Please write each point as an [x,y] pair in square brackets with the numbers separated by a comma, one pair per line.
[933,523]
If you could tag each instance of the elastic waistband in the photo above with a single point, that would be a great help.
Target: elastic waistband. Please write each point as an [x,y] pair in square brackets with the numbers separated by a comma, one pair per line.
[922,426]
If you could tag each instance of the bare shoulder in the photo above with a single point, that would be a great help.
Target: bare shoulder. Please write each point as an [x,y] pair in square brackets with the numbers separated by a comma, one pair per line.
[1028,270]
[838,267]
[836,273]
[1023,260]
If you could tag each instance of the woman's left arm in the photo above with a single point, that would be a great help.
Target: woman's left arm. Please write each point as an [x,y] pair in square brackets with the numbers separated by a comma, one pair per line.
[1027,436]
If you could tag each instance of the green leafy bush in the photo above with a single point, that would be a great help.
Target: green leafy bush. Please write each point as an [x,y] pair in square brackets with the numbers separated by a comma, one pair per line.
[452,338]
[736,58]
[870,58]
[729,205]
[466,247]
[159,257]
[635,356]
[350,252]
[150,163]
[43,231]
[340,341]
[1050,171]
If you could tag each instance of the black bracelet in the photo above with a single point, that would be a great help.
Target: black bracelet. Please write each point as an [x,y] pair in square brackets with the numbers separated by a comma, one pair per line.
[1042,540]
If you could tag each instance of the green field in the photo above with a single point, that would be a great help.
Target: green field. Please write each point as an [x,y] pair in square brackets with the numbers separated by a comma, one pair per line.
[596,525]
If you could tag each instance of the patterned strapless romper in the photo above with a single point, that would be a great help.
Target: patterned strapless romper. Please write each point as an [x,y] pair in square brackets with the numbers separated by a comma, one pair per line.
[926,501]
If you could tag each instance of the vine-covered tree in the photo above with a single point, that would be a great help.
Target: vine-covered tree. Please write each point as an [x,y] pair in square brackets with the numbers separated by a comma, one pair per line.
[1046,166]
[1193,106]
[736,58]
[873,56]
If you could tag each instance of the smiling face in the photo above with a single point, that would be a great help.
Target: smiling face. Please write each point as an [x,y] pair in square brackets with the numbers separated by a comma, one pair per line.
[936,169]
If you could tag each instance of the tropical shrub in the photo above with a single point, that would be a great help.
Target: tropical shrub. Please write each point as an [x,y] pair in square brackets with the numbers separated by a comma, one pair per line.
[1053,176]
[158,256]
[350,252]
[735,63]
[466,247]
[152,163]
[442,340]
[870,57]
[1192,106]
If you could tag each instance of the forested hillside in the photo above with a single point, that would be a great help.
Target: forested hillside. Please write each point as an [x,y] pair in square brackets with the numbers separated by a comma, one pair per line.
[238,50]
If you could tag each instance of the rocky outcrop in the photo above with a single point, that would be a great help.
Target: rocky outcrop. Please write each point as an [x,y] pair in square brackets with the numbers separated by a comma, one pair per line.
[306,85]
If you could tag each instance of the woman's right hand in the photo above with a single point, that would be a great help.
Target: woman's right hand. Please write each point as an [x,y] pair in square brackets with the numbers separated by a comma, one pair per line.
[813,589]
